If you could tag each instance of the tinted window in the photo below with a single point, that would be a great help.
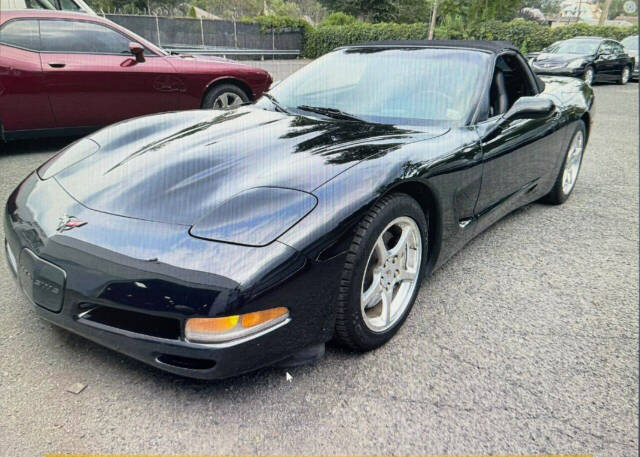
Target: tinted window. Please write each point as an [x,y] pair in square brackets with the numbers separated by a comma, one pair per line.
[396,86]
[574,47]
[22,34]
[69,5]
[39,4]
[82,37]
[607,48]
[617,47]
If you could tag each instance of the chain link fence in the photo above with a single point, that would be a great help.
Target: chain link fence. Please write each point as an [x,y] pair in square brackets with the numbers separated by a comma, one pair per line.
[214,37]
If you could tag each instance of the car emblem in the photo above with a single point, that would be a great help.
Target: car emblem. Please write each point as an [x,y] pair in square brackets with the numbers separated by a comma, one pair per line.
[69,222]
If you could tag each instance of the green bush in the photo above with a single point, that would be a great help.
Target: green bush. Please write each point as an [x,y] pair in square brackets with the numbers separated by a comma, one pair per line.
[339,18]
[528,36]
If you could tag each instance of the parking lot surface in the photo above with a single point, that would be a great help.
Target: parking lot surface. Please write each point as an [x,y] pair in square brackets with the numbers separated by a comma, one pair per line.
[525,342]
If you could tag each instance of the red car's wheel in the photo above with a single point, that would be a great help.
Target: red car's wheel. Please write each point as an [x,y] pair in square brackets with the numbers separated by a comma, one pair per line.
[224,96]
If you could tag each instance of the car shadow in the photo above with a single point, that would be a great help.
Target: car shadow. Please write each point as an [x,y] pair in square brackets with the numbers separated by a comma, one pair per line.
[41,145]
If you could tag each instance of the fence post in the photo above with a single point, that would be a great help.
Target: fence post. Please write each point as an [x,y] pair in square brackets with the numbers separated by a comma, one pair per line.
[235,33]
[202,31]
[158,30]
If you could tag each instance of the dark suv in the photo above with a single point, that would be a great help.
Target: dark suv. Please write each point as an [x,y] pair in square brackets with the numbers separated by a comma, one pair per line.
[590,58]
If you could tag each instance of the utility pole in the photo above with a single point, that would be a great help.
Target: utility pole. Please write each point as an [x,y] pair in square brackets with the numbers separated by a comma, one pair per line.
[433,19]
[605,12]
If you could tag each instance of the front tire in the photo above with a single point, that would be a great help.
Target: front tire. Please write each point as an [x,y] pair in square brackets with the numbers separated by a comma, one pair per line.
[223,97]
[625,74]
[568,174]
[382,273]
[589,75]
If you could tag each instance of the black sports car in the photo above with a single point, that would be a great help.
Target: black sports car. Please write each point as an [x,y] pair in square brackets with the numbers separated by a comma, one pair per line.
[211,243]
[591,58]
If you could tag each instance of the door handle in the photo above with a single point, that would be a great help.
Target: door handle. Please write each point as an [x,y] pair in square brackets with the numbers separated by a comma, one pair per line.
[57,65]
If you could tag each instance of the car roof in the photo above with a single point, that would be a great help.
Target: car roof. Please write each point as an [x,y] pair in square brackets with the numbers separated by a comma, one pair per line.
[33,13]
[589,38]
[489,46]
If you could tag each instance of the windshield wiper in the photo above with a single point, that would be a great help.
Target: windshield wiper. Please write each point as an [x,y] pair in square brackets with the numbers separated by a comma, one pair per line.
[276,103]
[331,112]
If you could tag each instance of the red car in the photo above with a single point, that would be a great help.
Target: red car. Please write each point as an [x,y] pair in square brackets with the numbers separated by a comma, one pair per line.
[68,73]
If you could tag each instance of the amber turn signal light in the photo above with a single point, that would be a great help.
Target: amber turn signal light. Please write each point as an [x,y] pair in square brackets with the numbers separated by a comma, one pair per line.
[222,329]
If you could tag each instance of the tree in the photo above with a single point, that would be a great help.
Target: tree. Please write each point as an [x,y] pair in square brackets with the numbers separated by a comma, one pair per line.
[367,10]
[480,10]
[548,7]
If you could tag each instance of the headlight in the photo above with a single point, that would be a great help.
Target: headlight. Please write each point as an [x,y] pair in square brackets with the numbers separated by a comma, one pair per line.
[255,217]
[222,329]
[73,153]
[576,64]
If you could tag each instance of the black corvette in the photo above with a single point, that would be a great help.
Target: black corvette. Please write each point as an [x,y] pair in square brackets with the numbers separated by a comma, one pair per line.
[590,58]
[211,243]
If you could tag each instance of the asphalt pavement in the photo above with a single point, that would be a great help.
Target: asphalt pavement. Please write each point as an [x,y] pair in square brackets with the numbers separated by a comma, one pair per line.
[524,342]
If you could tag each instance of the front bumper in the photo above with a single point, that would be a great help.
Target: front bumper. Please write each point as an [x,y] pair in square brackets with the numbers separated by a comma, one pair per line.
[130,285]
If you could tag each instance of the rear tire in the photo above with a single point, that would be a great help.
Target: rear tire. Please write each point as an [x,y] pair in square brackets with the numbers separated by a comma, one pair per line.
[571,164]
[382,273]
[224,96]
[625,75]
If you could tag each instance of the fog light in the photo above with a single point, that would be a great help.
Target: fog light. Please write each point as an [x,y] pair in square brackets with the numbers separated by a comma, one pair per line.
[221,329]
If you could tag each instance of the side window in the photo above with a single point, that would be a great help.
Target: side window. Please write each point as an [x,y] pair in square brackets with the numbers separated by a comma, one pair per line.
[40,4]
[69,5]
[618,48]
[21,34]
[81,37]
[510,82]
[607,48]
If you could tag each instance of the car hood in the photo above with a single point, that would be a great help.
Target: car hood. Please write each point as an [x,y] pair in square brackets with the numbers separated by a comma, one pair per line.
[558,58]
[177,167]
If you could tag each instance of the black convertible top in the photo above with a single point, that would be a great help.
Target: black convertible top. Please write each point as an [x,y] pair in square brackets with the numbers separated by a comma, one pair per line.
[491,46]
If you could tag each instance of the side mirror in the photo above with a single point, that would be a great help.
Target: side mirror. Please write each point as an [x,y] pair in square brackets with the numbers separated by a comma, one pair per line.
[523,108]
[530,108]
[137,50]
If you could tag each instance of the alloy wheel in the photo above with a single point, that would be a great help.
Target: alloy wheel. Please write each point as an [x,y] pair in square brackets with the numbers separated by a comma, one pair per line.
[588,76]
[572,162]
[391,274]
[625,75]
[227,100]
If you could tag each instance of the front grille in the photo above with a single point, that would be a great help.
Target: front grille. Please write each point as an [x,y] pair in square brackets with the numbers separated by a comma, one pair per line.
[131,321]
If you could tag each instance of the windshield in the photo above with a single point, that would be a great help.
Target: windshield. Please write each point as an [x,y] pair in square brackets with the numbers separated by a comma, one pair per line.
[631,42]
[392,86]
[574,47]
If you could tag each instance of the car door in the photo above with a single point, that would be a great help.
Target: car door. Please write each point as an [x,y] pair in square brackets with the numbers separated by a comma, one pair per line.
[24,104]
[93,79]
[622,58]
[520,154]
[605,63]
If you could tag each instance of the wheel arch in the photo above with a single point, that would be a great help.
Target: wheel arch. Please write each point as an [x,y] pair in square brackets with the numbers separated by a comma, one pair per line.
[430,204]
[227,80]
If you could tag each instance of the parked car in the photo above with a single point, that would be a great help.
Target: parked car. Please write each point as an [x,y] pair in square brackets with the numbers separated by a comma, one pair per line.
[212,243]
[66,73]
[590,58]
[630,44]
[64,5]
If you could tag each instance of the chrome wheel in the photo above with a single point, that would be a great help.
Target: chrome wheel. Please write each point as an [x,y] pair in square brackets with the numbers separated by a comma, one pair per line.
[589,75]
[227,100]
[572,162]
[391,274]
[625,75]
